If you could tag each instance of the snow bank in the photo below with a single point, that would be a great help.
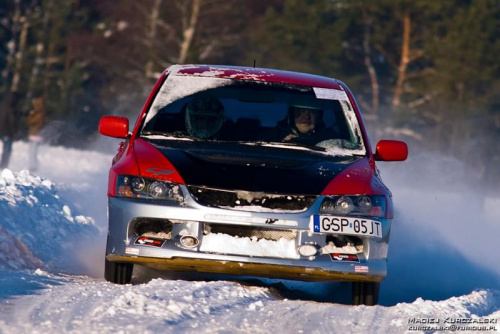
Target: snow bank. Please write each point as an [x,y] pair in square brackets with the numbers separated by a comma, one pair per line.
[80,179]
[14,254]
[37,229]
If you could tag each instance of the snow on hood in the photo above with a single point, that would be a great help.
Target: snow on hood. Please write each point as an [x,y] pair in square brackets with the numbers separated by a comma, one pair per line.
[37,228]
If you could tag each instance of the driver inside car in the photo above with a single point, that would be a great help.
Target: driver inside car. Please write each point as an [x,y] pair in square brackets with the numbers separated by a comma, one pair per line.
[303,125]
[305,121]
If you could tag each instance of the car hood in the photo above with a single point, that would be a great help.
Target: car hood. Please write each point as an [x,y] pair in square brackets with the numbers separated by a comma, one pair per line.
[237,166]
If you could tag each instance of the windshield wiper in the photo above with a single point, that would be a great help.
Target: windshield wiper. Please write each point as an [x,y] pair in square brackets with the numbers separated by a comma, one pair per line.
[313,148]
[177,134]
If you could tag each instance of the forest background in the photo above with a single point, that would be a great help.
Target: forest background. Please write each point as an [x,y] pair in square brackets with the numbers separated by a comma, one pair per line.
[423,71]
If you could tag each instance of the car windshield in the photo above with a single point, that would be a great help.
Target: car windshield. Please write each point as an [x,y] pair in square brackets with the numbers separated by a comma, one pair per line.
[250,112]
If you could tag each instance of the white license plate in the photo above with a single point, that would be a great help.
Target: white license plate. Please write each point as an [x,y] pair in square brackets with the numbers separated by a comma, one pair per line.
[347,225]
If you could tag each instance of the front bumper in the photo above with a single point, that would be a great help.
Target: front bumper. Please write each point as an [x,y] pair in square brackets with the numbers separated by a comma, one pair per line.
[191,218]
[245,269]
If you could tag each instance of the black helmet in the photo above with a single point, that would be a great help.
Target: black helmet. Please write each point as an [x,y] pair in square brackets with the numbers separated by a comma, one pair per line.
[204,117]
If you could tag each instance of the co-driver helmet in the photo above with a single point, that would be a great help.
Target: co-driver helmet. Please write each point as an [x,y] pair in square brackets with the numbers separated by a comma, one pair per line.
[204,117]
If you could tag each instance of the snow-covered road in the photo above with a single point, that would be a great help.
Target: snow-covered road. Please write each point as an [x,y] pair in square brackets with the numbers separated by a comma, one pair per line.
[444,264]
[162,306]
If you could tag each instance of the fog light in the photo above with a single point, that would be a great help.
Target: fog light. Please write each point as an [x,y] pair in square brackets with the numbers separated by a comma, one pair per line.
[189,241]
[308,250]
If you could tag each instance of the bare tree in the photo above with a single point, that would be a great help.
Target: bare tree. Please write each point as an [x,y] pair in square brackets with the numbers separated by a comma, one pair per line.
[151,36]
[404,60]
[18,27]
[368,63]
[188,28]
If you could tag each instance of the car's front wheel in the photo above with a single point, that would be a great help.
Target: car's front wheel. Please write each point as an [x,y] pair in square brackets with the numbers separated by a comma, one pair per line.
[365,293]
[120,273]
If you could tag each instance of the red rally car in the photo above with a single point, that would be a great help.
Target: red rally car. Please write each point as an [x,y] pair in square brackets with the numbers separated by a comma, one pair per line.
[250,171]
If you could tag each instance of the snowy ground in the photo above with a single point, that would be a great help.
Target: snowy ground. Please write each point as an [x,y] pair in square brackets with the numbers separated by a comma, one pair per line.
[443,265]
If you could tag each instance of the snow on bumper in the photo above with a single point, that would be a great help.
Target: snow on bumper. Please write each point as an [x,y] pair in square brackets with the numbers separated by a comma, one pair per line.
[239,242]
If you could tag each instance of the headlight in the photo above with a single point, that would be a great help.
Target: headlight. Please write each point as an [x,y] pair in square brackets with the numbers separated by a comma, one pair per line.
[368,205]
[138,187]
[344,205]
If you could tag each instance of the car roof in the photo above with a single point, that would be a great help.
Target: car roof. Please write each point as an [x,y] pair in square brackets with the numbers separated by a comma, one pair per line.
[255,74]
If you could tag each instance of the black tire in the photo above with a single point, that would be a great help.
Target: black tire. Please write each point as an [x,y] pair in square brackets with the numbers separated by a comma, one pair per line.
[365,293]
[119,273]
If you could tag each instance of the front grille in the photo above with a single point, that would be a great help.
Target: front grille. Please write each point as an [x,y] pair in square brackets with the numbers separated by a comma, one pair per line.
[238,199]
[346,242]
[153,228]
[249,232]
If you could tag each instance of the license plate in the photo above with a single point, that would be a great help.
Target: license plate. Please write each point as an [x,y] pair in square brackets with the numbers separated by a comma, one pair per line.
[345,225]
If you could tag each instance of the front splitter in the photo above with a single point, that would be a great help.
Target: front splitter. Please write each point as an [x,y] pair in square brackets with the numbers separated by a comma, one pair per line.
[244,269]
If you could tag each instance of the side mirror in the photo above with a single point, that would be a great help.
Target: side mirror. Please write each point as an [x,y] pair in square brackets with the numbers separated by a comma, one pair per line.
[114,126]
[391,150]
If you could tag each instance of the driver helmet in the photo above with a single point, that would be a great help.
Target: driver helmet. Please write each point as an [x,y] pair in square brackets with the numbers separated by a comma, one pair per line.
[204,117]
